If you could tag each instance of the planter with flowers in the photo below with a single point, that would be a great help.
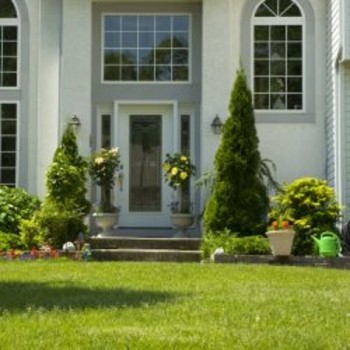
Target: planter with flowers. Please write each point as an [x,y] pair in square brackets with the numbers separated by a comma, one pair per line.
[281,236]
[178,171]
[103,168]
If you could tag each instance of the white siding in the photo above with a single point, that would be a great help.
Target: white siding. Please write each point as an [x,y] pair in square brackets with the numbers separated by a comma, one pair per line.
[346,29]
[332,123]
[346,157]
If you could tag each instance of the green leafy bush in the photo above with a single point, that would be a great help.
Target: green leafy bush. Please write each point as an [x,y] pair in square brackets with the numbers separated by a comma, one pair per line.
[15,204]
[30,233]
[9,241]
[250,245]
[311,206]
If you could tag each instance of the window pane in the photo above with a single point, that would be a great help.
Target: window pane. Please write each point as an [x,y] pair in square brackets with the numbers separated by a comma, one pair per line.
[278,68]
[185,135]
[295,84]
[261,50]
[7,9]
[129,73]
[112,23]
[261,67]
[180,39]
[263,11]
[10,33]
[9,64]
[9,79]
[146,39]
[293,11]
[278,51]
[129,39]
[163,23]
[278,101]
[129,56]
[106,131]
[278,84]
[112,73]
[278,33]
[261,33]
[8,159]
[180,56]
[180,73]
[146,23]
[295,101]
[261,101]
[146,56]
[163,56]
[129,23]
[180,23]
[9,127]
[112,57]
[294,50]
[261,84]
[8,176]
[163,73]
[8,143]
[295,33]
[8,111]
[112,40]
[9,48]
[146,73]
[163,40]
[294,67]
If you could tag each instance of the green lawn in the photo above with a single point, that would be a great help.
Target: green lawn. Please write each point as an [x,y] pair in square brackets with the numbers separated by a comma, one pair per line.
[76,305]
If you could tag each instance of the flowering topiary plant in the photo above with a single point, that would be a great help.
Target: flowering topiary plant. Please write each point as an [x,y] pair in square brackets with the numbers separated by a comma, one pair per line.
[102,168]
[178,170]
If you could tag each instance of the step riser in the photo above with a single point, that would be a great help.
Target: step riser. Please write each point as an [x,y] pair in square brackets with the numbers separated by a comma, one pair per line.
[122,243]
[146,256]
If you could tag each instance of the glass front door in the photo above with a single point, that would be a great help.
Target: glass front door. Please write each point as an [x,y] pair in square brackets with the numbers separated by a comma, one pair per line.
[145,135]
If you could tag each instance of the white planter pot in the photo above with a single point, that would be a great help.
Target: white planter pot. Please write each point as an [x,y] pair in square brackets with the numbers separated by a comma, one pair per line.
[106,222]
[281,241]
[181,222]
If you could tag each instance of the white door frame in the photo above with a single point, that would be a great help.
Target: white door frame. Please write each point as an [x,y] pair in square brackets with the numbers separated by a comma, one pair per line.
[144,219]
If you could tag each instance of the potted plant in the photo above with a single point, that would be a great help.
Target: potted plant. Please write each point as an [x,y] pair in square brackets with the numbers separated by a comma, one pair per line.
[281,235]
[103,168]
[178,171]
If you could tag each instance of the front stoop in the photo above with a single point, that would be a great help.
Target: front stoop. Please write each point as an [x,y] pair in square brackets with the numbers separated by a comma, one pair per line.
[311,261]
[146,249]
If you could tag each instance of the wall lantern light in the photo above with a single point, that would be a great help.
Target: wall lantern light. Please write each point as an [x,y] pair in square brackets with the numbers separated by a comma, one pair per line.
[216,125]
[75,123]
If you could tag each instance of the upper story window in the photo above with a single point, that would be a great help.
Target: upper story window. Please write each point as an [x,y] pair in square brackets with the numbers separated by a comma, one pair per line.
[147,48]
[8,44]
[278,56]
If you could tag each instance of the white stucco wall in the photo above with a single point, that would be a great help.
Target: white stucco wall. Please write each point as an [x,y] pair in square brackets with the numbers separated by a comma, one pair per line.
[76,68]
[298,149]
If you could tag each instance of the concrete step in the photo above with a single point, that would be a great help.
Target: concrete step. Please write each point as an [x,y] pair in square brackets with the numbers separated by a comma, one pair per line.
[182,244]
[169,255]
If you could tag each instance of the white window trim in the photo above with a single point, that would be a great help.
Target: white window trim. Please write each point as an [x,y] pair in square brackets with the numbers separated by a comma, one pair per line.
[272,21]
[128,82]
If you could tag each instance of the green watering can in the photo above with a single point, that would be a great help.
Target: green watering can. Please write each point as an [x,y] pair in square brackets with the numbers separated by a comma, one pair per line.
[328,244]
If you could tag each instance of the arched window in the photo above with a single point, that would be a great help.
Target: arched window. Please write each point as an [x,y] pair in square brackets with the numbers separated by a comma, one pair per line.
[278,56]
[8,44]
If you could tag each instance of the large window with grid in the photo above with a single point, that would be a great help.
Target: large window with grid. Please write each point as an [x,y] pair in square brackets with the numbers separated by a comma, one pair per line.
[8,44]
[8,143]
[148,48]
[278,56]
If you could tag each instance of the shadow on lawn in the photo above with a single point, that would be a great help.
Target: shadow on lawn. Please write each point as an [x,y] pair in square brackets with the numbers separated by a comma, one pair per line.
[17,296]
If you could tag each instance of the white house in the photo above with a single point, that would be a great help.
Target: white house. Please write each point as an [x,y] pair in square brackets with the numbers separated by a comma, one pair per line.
[150,76]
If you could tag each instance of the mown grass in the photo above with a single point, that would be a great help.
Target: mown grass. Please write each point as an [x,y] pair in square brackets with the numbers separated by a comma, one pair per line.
[72,305]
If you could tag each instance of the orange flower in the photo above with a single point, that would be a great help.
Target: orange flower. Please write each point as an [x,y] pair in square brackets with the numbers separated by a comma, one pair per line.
[285,224]
[274,225]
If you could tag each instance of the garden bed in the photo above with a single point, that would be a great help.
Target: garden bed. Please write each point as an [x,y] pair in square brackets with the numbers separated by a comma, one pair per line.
[316,261]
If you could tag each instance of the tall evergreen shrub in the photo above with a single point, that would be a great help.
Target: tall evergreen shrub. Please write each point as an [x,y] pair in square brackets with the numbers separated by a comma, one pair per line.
[239,200]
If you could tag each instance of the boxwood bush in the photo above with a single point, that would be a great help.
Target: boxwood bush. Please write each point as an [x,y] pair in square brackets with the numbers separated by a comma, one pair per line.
[231,244]
[15,205]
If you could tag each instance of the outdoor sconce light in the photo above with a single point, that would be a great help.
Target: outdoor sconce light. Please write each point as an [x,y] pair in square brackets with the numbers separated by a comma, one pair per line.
[216,125]
[75,123]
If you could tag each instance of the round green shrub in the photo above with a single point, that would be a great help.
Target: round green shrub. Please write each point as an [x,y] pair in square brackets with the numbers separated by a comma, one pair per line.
[311,206]
[15,204]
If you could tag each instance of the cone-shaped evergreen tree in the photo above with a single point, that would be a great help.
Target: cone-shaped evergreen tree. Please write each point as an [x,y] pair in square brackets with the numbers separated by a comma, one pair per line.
[239,200]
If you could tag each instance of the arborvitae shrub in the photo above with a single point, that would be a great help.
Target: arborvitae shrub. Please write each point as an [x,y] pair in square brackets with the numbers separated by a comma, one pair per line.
[239,200]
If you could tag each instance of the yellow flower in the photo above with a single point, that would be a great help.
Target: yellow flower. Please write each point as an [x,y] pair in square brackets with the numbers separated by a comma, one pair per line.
[183,175]
[99,160]
[174,171]
[166,166]
[183,158]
